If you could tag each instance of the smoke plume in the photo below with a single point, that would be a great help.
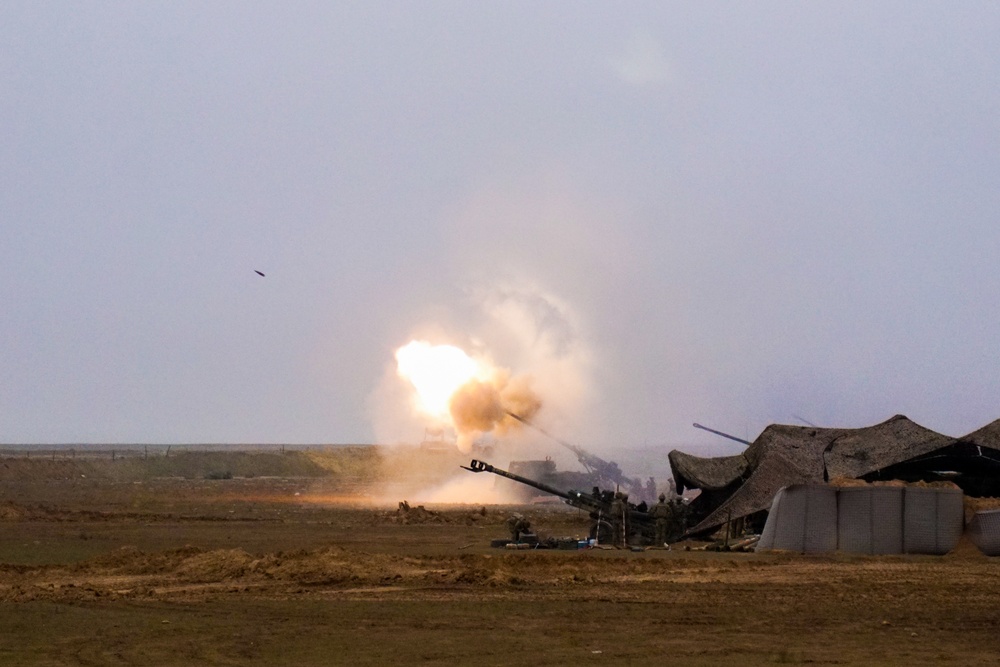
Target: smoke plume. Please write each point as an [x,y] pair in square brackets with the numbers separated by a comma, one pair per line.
[479,407]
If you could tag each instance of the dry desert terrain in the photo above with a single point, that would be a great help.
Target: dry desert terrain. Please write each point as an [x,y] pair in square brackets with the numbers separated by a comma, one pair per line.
[304,558]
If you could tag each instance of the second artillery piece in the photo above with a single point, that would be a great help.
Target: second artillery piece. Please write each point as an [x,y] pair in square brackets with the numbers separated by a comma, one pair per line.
[600,507]
[603,472]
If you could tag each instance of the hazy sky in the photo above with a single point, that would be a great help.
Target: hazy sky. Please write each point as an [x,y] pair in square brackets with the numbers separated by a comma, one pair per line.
[729,213]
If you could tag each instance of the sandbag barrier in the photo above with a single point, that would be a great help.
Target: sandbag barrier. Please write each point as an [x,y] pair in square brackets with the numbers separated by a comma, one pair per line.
[817,518]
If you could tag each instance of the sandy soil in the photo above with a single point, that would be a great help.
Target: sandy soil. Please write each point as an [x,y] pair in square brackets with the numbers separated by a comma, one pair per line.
[129,569]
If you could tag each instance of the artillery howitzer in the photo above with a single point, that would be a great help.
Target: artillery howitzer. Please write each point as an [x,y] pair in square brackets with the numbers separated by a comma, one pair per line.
[597,504]
[723,434]
[605,472]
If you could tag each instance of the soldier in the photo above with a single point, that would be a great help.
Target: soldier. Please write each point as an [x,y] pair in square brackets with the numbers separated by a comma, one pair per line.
[650,491]
[678,522]
[518,525]
[626,520]
[617,512]
[663,514]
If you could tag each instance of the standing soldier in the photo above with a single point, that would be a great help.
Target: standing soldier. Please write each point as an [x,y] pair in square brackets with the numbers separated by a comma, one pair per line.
[617,511]
[650,491]
[663,514]
[626,521]
[680,516]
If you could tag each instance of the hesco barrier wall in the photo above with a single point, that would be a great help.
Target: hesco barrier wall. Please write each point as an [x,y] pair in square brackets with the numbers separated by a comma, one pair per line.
[932,520]
[805,520]
[812,518]
[984,531]
[870,519]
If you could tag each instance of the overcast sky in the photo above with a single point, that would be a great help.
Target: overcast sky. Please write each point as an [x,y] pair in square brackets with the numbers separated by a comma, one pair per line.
[733,214]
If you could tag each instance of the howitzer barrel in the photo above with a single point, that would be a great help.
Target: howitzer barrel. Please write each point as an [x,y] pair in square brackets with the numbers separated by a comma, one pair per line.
[483,466]
[584,501]
[724,435]
[595,503]
[573,448]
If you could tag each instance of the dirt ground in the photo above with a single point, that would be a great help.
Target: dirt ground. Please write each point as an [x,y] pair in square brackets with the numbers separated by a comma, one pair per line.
[121,567]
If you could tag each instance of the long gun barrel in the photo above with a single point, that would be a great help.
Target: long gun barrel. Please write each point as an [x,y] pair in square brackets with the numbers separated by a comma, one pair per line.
[724,435]
[483,466]
[584,501]
[576,450]
[606,469]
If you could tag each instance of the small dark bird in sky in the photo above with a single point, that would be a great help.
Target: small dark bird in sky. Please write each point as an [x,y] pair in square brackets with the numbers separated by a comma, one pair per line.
[258,273]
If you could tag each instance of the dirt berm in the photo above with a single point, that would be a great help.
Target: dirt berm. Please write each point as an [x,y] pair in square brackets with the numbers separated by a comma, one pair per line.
[363,462]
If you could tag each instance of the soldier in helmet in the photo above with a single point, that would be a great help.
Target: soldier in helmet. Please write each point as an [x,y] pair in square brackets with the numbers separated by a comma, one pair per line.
[663,515]
[682,512]
[626,520]
[518,525]
[617,512]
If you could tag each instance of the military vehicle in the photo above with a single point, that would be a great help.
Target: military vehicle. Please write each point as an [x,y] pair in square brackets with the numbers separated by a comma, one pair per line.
[434,442]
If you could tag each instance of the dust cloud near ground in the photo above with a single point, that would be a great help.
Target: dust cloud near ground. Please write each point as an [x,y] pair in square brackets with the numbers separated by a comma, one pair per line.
[111,563]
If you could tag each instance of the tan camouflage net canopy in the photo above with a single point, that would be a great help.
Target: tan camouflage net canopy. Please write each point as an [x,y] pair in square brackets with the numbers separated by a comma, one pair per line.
[741,485]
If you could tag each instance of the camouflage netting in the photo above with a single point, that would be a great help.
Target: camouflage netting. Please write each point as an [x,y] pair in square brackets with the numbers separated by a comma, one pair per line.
[706,473]
[741,485]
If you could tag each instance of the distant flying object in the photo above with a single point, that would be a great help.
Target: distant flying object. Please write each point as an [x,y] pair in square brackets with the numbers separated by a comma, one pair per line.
[258,273]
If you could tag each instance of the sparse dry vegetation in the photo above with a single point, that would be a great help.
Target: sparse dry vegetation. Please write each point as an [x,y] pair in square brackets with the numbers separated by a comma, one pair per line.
[120,562]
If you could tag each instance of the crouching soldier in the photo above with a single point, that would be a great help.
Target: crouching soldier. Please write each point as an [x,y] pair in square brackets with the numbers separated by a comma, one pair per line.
[518,526]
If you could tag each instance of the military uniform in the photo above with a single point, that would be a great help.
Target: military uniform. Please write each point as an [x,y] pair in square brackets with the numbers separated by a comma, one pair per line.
[681,513]
[518,525]
[626,520]
[617,511]
[663,514]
